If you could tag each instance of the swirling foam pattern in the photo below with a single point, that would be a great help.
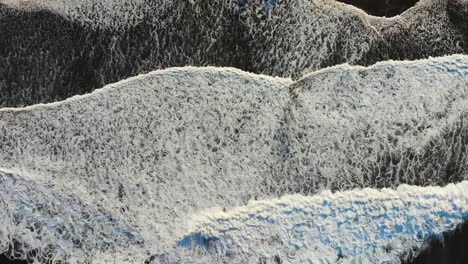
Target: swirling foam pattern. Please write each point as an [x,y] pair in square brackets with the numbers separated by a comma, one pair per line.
[143,156]
[51,50]
[46,219]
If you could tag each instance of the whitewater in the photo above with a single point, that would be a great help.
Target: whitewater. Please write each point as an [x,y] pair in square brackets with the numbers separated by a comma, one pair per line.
[201,164]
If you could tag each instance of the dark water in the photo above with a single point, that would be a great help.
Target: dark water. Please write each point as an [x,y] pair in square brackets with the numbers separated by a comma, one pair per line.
[452,248]
[79,60]
[5,260]
[47,57]
[387,8]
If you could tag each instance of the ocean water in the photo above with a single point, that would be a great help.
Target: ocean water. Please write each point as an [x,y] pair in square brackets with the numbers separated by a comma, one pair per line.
[123,173]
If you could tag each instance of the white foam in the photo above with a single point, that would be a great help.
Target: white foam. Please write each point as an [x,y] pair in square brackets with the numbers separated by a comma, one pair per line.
[152,150]
[364,226]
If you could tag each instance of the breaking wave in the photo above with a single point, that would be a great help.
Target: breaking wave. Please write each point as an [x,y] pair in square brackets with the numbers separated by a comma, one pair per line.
[122,174]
